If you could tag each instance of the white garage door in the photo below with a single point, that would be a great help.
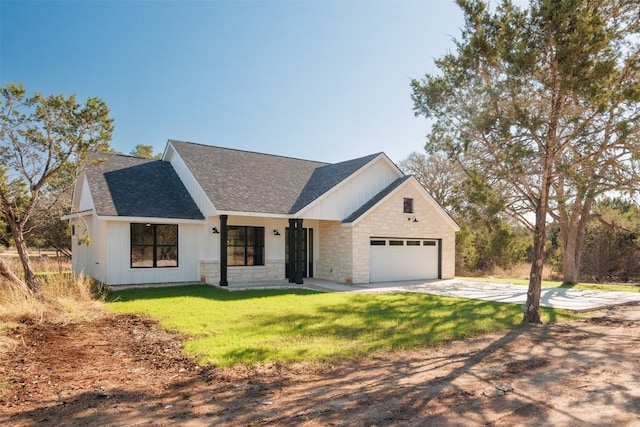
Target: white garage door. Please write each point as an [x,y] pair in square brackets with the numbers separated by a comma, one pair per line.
[403,259]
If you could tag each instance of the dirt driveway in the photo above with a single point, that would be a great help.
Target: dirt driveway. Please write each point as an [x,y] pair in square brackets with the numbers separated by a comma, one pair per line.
[122,370]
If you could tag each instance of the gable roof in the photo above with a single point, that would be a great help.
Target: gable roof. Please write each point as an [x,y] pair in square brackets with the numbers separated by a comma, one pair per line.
[326,177]
[375,200]
[409,179]
[131,186]
[245,181]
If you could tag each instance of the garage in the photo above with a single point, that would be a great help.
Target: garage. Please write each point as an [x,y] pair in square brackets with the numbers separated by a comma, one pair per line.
[404,259]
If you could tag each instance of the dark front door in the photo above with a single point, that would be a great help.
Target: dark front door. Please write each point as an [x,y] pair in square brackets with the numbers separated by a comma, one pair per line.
[307,252]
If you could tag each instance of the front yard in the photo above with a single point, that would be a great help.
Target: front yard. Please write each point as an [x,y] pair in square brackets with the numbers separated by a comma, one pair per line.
[226,328]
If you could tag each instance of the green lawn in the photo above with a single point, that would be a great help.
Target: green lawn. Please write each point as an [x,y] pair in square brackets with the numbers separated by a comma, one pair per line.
[225,328]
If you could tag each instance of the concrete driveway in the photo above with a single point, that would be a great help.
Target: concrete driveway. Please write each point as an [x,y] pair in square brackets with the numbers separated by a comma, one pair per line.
[570,299]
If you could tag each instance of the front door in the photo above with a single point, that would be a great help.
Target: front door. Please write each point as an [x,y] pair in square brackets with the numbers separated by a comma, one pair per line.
[307,252]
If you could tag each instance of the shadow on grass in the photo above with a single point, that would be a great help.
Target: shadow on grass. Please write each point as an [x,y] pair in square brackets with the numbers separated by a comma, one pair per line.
[326,327]
[199,291]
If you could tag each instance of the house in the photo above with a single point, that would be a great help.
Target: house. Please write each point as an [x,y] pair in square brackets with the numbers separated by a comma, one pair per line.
[221,215]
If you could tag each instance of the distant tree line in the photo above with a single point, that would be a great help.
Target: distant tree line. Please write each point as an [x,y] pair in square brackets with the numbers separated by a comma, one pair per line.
[489,239]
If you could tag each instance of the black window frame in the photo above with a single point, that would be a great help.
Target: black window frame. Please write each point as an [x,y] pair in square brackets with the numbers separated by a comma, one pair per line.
[257,246]
[153,244]
[408,205]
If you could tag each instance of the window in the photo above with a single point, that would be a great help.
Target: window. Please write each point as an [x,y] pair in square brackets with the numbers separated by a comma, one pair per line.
[154,245]
[378,242]
[429,243]
[413,242]
[396,242]
[245,245]
[408,205]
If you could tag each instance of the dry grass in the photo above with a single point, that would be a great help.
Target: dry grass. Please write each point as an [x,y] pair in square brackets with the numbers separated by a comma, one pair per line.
[521,271]
[63,297]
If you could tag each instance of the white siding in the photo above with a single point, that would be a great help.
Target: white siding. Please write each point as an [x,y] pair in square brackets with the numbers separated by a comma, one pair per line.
[118,249]
[86,202]
[89,259]
[341,202]
[274,268]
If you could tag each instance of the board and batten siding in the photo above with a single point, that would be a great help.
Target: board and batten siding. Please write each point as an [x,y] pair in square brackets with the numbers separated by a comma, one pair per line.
[89,259]
[354,192]
[118,248]
[86,202]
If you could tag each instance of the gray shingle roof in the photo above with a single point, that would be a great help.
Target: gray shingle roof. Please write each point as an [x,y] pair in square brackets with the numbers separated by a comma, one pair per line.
[378,197]
[326,177]
[131,186]
[245,181]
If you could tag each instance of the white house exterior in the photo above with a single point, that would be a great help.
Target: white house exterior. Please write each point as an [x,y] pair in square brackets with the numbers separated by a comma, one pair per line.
[219,215]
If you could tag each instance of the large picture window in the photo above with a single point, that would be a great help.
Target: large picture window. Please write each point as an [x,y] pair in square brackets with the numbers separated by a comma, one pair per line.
[154,245]
[245,245]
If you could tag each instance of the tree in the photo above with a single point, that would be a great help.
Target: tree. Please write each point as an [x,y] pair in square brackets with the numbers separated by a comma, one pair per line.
[486,239]
[44,140]
[546,102]
[145,151]
[612,242]
[45,228]
[439,175]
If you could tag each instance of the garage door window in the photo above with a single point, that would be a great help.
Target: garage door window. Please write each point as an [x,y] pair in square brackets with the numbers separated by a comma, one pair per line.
[413,242]
[429,243]
[378,242]
[396,242]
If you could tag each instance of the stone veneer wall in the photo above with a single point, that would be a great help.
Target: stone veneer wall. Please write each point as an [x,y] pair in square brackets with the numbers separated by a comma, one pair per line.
[272,270]
[388,220]
[334,260]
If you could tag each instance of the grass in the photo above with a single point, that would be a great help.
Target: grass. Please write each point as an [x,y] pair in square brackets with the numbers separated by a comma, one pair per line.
[63,297]
[284,326]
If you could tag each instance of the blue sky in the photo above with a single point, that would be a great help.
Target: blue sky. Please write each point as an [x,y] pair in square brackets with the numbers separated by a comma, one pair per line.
[321,80]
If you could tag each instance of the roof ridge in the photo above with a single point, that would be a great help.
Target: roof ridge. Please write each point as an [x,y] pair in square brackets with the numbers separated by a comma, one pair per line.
[251,152]
[129,156]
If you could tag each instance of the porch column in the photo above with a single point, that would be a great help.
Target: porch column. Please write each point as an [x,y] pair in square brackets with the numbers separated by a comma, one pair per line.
[299,237]
[223,251]
[291,243]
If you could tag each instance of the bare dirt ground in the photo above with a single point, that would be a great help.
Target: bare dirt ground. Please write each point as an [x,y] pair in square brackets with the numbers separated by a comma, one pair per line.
[123,370]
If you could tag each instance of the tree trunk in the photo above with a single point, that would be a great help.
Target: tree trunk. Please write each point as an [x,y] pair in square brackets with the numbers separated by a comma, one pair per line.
[573,240]
[570,254]
[29,276]
[532,306]
[7,274]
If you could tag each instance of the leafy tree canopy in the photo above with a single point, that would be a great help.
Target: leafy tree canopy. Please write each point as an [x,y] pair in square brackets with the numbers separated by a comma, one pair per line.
[543,101]
[145,151]
[44,140]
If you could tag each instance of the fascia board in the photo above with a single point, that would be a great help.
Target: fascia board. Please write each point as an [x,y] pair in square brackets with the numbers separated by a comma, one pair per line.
[255,214]
[346,181]
[171,147]
[77,188]
[79,214]
[151,220]
[435,204]
[413,181]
